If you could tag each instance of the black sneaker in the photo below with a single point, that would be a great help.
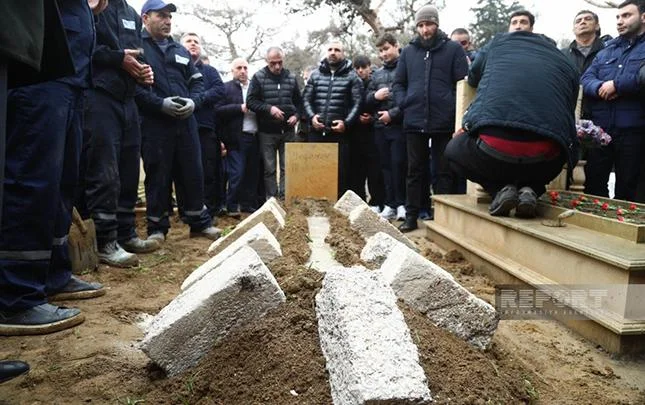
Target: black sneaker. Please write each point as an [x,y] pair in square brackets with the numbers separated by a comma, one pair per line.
[11,369]
[409,225]
[39,320]
[526,207]
[505,201]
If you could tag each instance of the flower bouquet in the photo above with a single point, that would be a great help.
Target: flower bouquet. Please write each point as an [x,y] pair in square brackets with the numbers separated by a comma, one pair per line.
[591,135]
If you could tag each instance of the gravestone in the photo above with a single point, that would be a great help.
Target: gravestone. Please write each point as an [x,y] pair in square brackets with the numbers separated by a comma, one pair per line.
[311,171]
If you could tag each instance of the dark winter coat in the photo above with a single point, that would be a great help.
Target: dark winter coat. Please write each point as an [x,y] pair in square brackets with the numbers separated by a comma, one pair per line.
[333,96]
[384,78]
[229,114]
[524,82]
[212,96]
[425,83]
[267,90]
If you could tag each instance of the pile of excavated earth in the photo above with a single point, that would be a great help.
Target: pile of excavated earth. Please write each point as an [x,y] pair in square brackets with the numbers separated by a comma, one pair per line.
[325,305]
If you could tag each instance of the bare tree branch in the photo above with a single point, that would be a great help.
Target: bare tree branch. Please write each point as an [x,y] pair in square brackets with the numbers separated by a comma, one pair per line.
[603,3]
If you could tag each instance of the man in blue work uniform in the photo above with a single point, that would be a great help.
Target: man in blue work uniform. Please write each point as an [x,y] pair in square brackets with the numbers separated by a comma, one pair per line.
[205,115]
[44,135]
[170,142]
[110,164]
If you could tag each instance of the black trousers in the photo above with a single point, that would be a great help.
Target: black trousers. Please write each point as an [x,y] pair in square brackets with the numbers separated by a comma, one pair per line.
[418,164]
[467,158]
[624,153]
[365,166]
[211,163]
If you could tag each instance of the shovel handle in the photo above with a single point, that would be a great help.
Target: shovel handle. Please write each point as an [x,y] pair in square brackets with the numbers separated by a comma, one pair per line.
[76,218]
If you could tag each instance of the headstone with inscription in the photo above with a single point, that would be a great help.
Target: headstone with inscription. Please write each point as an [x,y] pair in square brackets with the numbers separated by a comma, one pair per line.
[311,171]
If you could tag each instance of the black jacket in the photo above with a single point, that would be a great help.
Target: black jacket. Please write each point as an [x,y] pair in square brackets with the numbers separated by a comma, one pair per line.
[229,114]
[425,83]
[267,90]
[383,78]
[333,96]
[578,59]
[118,27]
[524,82]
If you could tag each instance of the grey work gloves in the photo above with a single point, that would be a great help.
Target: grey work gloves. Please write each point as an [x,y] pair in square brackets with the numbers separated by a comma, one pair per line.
[178,107]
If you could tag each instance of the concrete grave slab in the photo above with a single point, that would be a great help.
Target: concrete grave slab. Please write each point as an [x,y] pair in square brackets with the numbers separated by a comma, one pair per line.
[368,223]
[240,292]
[434,292]
[378,247]
[259,238]
[268,214]
[348,202]
[371,358]
[273,201]
[311,171]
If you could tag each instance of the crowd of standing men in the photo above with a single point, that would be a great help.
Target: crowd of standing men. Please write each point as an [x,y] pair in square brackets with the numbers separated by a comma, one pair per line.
[136,94]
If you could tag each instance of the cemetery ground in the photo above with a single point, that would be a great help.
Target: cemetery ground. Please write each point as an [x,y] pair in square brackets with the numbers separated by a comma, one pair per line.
[278,360]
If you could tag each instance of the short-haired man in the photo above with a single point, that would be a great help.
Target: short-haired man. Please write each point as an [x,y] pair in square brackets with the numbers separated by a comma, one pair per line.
[616,105]
[462,36]
[388,132]
[514,139]
[170,141]
[275,98]
[364,158]
[424,88]
[585,46]
[205,116]
[521,20]
[332,102]
[238,132]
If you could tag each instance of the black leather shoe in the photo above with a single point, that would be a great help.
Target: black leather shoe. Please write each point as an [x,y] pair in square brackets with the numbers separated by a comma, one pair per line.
[138,245]
[11,369]
[409,225]
[527,205]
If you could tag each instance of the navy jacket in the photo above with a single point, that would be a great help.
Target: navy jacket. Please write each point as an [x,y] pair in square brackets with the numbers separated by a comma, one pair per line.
[175,75]
[267,90]
[118,27]
[425,83]
[620,61]
[383,78]
[229,114]
[334,96]
[78,22]
[524,82]
[212,96]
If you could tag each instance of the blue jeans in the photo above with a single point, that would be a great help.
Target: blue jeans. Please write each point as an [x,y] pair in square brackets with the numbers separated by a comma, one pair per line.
[242,169]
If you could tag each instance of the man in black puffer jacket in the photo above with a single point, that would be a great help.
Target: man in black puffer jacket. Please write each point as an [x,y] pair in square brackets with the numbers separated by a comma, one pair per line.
[275,97]
[332,102]
[520,128]
[424,89]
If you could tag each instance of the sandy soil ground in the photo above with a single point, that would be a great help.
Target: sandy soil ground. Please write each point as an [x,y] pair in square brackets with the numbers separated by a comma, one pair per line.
[278,360]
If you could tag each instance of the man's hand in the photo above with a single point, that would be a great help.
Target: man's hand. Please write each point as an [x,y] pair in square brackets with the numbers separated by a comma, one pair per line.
[382,94]
[147,77]
[169,107]
[292,121]
[277,113]
[244,108]
[97,6]
[607,91]
[130,63]
[222,149]
[460,131]
[187,109]
[338,126]
[365,118]
[318,126]
[384,117]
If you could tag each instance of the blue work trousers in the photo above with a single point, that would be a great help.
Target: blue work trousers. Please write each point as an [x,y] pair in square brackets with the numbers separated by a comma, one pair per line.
[44,135]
